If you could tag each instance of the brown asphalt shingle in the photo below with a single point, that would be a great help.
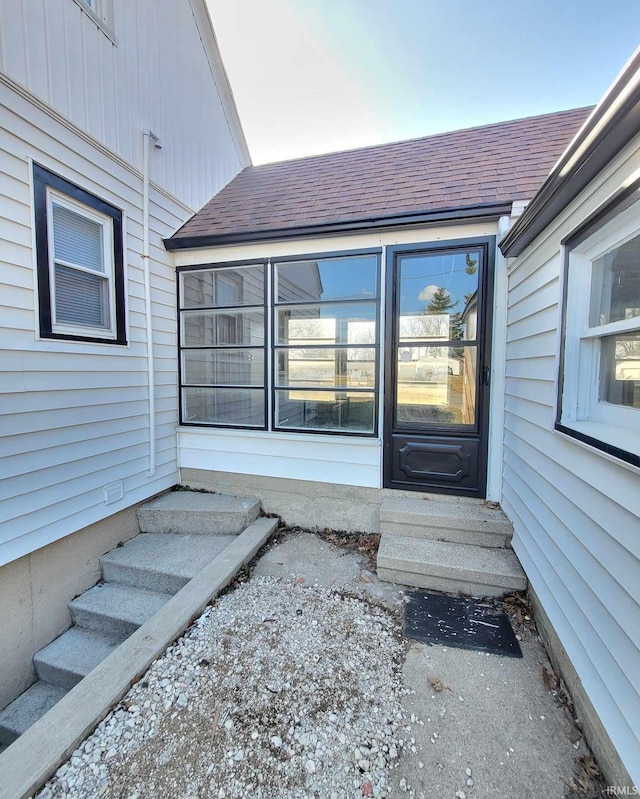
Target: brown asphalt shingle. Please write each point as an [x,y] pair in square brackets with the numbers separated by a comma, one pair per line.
[490,164]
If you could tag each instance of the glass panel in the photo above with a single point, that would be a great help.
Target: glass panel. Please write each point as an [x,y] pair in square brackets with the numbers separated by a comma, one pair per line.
[436,385]
[350,368]
[349,278]
[620,370]
[439,296]
[81,298]
[223,367]
[206,288]
[210,328]
[77,239]
[325,410]
[615,285]
[234,406]
[327,324]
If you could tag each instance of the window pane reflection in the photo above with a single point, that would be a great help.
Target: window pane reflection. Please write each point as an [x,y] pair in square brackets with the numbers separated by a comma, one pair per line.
[436,385]
[325,410]
[620,370]
[615,285]
[329,279]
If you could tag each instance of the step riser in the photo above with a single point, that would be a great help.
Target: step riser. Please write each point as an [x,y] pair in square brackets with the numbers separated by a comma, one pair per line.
[201,523]
[493,540]
[502,582]
[101,623]
[447,586]
[54,675]
[142,578]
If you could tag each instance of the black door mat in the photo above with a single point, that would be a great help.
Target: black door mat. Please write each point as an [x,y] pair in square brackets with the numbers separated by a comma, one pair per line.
[463,623]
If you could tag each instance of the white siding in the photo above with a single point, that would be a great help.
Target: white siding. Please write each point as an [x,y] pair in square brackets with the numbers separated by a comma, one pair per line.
[576,512]
[160,71]
[74,416]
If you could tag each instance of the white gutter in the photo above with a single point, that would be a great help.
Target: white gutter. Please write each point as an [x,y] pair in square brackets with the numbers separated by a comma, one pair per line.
[147,138]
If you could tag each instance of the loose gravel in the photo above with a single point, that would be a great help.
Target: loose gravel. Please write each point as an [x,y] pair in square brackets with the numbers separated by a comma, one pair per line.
[280,689]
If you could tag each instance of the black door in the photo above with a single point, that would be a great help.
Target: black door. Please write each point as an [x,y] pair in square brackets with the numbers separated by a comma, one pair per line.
[438,344]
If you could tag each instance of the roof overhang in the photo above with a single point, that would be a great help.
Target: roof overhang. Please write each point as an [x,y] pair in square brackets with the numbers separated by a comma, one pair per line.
[613,123]
[477,213]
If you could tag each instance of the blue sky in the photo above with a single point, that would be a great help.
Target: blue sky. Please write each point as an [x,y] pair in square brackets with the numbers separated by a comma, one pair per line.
[313,76]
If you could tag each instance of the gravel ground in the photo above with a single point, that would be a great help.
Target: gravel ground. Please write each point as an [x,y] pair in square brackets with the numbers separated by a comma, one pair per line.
[299,684]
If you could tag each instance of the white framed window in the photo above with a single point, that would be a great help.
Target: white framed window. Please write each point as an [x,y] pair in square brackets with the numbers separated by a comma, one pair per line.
[80,262]
[599,398]
[101,12]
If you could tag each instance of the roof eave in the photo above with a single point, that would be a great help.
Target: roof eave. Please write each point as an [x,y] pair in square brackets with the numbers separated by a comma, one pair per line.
[610,127]
[478,213]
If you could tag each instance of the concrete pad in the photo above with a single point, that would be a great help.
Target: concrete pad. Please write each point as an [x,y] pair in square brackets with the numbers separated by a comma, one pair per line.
[72,656]
[163,562]
[491,569]
[494,717]
[31,760]
[304,556]
[197,512]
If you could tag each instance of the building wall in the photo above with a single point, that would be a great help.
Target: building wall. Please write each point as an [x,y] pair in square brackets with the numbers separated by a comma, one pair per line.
[157,68]
[576,511]
[313,457]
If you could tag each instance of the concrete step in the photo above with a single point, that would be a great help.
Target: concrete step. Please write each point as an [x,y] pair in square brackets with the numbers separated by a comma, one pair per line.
[456,522]
[162,562]
[115,610]
[196,512]
[452,568]
[24,711]
[65,661]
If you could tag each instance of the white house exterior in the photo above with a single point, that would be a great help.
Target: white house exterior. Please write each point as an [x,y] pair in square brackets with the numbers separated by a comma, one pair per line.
[88,426]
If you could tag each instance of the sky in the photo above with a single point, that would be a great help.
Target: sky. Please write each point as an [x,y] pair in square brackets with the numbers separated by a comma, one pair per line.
[314,76]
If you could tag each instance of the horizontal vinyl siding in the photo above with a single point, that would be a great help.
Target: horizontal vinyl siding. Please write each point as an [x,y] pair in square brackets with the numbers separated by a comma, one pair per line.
[157,75]
[576,512]
[74,416]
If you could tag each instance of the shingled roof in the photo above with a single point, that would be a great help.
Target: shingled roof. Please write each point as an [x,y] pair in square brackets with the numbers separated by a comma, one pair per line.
[470,170]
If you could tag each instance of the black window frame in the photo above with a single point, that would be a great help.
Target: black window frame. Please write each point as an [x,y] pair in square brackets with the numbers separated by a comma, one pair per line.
[43,179]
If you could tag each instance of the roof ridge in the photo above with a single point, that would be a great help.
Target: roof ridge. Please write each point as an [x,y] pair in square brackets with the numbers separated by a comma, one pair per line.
[384,145]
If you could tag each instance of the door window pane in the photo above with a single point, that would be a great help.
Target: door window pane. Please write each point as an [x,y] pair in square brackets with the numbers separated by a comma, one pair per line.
[234,367]
[436,385]
[352,368]
[349,323]
[206,288]
[211,328]
[325,410]
[620,370]
[228,406]
[328,279]
[438,296]
[615,284]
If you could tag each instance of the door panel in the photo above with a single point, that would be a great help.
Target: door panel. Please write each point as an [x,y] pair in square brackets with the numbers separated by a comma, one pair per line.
[436,390]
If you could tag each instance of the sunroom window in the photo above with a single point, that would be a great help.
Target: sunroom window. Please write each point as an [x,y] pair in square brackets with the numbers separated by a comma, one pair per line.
[315,361]
[600,400]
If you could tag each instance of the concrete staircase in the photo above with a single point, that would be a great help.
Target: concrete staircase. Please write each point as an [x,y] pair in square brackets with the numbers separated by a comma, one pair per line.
[182,531]
[448,545]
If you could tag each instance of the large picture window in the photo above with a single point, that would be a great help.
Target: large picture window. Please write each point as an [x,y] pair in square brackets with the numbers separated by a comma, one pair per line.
[80,262]
[600,381]
[317,360]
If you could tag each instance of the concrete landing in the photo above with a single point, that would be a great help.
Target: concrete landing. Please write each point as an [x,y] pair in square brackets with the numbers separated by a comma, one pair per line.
[162,562]
[449,567]
[197,512]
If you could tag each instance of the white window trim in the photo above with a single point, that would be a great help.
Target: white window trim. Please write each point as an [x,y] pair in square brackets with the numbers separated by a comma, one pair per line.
[581,408]
[103,16]
[106,224]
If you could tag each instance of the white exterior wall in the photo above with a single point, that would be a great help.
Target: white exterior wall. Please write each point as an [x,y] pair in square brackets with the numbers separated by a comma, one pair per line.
[345,460]
[160,70]
[575,510]
[74,415]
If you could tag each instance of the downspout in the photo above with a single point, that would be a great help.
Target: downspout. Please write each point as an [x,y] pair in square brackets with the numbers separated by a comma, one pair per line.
[147,138]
